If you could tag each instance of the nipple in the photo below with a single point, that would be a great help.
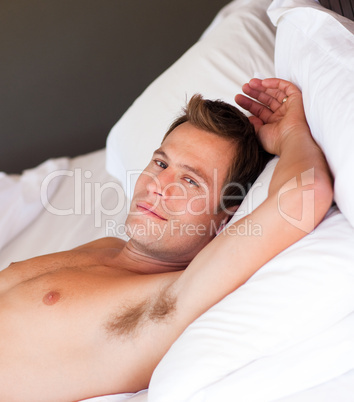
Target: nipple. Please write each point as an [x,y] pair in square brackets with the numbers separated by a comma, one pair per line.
[51,298]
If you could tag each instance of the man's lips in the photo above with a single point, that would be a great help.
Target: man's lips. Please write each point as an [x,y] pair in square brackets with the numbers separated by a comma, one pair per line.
[143,206]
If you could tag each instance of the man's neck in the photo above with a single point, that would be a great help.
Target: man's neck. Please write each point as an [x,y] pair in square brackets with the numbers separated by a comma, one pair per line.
[135,260]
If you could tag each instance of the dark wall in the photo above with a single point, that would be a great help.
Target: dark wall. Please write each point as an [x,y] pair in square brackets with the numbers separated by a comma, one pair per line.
[70,68]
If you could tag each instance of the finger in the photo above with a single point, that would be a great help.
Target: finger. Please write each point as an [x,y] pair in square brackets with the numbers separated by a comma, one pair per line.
[272,97]
[252,91]
[285,86]
[255,93]
[243,101]
[254,107]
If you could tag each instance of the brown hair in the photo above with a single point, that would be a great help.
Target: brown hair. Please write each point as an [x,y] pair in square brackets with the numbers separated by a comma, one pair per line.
[225,120]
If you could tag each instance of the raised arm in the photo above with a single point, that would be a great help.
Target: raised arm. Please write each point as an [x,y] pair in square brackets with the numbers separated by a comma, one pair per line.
[281,125]
[299,196]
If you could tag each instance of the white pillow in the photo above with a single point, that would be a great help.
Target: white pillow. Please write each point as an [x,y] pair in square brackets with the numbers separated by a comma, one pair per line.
[315,50]
[325,356]
[238,44]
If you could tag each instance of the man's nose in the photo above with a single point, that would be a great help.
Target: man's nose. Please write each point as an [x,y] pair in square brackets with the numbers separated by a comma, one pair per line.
[162,184]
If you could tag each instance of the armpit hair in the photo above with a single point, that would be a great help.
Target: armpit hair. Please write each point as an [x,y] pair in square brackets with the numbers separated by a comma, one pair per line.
[131,318]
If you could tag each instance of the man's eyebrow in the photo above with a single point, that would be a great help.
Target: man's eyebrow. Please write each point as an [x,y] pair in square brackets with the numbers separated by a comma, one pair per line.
[192,169]
[159,151]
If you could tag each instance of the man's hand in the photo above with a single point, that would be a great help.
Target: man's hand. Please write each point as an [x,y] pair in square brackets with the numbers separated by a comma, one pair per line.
[277,112]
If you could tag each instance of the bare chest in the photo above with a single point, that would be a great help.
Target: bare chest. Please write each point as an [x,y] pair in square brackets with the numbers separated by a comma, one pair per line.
[89,319]
[79,292]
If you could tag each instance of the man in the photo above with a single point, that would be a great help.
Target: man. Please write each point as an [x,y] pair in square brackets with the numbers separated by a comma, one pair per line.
[97,319]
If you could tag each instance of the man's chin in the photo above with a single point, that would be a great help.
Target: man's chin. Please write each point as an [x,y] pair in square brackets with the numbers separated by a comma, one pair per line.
[146,230]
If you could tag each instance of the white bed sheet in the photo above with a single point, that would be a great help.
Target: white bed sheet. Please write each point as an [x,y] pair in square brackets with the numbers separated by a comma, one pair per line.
[87,205]
[19,199]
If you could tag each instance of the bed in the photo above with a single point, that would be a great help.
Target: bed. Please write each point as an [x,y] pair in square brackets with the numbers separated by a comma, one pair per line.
[287,334]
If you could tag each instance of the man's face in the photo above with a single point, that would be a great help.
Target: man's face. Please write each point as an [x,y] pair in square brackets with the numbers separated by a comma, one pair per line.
[174,212]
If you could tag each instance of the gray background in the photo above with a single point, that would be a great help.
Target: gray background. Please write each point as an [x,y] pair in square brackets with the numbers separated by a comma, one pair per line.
[70,68]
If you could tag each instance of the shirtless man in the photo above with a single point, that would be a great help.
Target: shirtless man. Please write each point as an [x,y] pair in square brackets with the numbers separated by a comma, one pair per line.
[98,319]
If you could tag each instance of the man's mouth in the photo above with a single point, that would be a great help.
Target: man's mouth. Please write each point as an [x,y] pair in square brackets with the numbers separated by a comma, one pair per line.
[148,209]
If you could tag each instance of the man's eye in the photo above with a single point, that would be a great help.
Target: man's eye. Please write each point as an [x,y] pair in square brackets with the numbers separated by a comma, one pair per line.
[161,164]
[191,181]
